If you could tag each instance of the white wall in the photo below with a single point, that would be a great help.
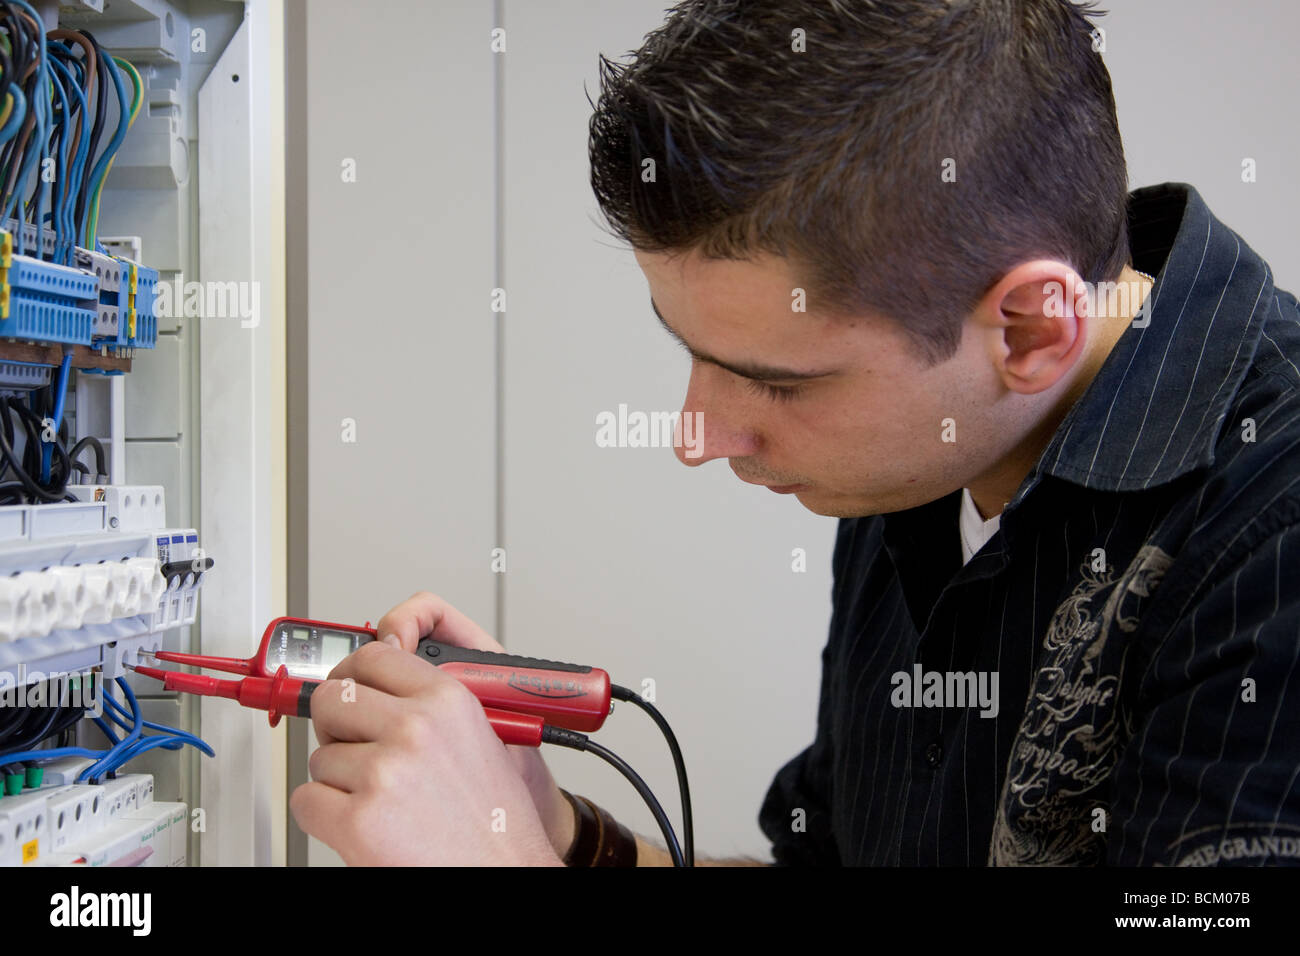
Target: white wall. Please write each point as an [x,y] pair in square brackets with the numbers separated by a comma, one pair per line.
[1201,85]
[619,558]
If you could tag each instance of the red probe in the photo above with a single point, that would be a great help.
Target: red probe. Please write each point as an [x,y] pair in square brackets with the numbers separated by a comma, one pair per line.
[282,694]
[519,694]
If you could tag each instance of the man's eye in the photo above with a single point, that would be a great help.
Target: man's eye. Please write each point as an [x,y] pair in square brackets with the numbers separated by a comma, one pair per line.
[777,393]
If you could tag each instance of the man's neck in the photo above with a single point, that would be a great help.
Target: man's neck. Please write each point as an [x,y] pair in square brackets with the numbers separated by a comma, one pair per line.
[993,490]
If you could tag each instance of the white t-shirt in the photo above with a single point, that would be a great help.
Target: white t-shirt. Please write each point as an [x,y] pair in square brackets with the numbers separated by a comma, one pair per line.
[975,531]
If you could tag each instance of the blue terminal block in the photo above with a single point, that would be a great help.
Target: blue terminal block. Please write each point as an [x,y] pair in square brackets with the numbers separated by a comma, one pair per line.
[44,302]
[146,296]
[137,323]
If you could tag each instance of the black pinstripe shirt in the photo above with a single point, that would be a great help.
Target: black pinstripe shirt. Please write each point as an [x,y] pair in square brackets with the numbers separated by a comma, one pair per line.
[1139,604]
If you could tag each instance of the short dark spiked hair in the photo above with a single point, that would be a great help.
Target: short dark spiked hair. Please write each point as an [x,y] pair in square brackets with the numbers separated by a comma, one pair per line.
[835,155]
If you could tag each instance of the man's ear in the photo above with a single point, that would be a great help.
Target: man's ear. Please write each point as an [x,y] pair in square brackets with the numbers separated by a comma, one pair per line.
[1036,321]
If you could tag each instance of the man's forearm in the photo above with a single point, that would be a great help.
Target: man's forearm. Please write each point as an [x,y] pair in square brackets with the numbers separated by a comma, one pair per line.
[647,854]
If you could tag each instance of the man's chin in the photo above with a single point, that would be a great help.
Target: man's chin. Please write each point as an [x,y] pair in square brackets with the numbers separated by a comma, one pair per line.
[831,506]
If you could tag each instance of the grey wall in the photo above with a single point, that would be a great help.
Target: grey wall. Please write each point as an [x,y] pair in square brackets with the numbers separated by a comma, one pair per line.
[620,558]
[1201,85]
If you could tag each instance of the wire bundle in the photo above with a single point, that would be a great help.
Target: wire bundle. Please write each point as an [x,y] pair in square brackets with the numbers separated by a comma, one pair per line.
[33,470]
[19,740]
[57,93]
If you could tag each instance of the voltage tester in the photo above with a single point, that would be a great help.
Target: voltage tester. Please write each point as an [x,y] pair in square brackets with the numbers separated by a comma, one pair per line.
[528,701]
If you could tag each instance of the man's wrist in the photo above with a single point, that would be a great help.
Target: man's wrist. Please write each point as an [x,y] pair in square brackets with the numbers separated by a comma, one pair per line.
[561,824]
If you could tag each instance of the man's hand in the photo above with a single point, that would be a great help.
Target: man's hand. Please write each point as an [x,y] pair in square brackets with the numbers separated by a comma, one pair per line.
[409,771]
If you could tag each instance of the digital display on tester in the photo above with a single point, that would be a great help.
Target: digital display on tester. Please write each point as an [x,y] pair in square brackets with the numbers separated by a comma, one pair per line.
[308,652]
[335,647]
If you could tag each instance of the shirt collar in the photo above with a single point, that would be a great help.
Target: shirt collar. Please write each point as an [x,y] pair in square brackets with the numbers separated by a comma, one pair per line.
[1156,407]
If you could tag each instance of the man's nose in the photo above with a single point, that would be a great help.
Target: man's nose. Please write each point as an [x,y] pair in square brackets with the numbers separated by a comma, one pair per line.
[707,428]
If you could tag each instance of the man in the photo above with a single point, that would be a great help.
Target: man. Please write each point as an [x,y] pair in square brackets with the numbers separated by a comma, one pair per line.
[1060,424]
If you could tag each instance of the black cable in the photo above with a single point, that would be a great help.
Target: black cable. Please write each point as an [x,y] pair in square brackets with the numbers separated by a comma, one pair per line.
[34,489]
[576,741]
[31,433]
[62,463]
[24,53]
[31,738]
[688,827]
[7,426]
[11,715]
[93,443]
[71,715]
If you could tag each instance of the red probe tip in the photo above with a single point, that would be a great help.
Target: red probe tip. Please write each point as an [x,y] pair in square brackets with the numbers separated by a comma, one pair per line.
[153,672]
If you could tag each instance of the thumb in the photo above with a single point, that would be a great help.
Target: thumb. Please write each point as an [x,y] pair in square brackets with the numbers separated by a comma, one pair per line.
[427,615]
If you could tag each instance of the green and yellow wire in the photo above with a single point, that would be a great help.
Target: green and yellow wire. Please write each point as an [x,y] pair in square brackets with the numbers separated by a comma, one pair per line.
[136,100]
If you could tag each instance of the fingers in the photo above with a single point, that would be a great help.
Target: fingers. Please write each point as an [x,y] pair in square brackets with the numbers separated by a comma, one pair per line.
[387,669]
[319,809]
[347,710]
[427,615]
[347,767]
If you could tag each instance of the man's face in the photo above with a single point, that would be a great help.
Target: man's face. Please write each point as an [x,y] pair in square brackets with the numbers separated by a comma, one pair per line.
[864,434]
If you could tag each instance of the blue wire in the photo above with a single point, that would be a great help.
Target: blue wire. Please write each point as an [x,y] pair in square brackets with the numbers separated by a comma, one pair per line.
[141,746]
[60,121]
[53,754]
[108,731]
[40,112]
[188,737]
[97,769]
[131,746]
[73,174]
[117,708]
[47,448]
[100,169]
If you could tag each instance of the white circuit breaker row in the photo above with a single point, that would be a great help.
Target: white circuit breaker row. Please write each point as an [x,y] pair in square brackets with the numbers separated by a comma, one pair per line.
[116,823]
[94,582]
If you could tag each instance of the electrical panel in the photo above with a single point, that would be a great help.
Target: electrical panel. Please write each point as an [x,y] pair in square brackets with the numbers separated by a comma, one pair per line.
[101,559]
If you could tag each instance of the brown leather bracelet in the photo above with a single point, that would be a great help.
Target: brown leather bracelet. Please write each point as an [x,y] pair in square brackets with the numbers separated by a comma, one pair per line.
[599,839]
[617,844]
[586,832]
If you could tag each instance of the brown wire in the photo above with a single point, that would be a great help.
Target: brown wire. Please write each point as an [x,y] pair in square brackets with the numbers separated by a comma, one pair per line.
[91,63]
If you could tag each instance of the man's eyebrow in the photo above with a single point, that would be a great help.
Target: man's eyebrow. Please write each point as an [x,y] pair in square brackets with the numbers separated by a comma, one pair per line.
[757,372]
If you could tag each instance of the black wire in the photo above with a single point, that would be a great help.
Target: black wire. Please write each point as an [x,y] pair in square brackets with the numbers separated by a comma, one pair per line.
[62,463]
[8,488]
[7,426]
[576,741]
[97,446]
[10,79]
[31,434]
[71,715]
[688,826]
[660,817]
[11,716]
[23,54]
[6,448]
[35,736]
